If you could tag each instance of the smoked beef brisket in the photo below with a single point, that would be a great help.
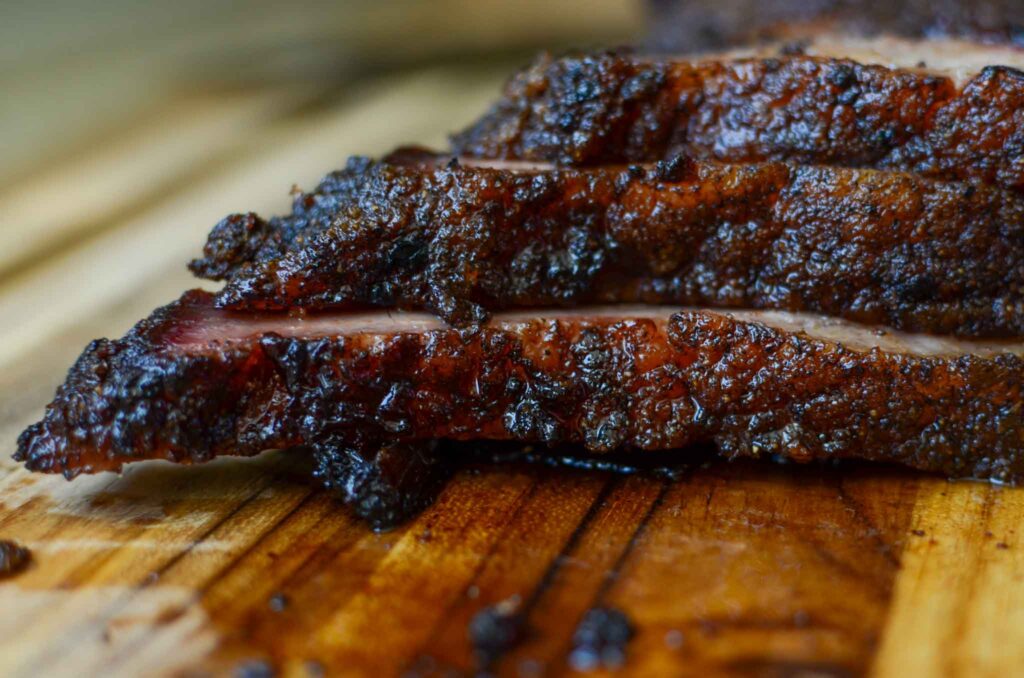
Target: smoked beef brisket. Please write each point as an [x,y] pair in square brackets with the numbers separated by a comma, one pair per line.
[193,382]
[943,120]
[422,231]
[552,280]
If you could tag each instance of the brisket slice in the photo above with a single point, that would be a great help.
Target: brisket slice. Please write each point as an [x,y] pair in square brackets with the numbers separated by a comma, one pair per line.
[806,108]
[417,231]
[193,382]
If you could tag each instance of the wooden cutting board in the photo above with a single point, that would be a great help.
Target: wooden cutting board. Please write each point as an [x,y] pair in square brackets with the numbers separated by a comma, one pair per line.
[731,569]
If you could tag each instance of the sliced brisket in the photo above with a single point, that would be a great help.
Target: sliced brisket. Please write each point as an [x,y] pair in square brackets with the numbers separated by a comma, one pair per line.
[192,382]
[813,107]
[419,231]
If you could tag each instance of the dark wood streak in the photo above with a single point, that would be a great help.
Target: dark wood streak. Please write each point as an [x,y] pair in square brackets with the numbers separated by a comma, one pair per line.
[615,570]
[549,576]
[209,531]
[472,582]
[763,571]
[411,575]
[545,582]
[884,547]
[613,573]
[843,568]
[569,587]
[707,503]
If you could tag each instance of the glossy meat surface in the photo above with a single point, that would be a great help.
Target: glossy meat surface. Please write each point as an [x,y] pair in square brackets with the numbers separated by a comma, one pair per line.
[192,382]
[418,231]
[613,107]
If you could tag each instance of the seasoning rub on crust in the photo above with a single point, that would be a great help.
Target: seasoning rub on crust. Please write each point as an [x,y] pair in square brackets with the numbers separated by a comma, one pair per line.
[193,382]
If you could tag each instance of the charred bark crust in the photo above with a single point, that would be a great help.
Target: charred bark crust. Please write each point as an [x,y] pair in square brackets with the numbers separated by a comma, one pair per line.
[875,247]
[613,107]
[629,384]
[385,484]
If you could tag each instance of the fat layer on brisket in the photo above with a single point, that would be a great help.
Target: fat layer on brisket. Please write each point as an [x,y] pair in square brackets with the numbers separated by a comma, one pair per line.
[767,105]
[193,381]
[421,231]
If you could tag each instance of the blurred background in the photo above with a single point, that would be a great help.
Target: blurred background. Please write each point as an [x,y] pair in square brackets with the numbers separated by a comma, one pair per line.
[74,70]
[127,128]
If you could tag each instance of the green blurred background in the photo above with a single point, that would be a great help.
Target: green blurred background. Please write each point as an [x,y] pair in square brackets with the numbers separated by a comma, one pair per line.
[74,72]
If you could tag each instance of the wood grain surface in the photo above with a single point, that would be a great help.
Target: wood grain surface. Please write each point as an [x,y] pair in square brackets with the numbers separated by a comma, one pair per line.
[731,569]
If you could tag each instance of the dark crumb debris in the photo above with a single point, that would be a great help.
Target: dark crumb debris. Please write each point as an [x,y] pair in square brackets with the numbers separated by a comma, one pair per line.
[917,533]
[278,602]
[254,668]
[988,534]
[1002,545]
[495,629]
[600,639]
[14,558]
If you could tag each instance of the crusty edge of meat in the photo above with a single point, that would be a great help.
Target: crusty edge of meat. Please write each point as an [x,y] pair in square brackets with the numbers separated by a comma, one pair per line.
[614,107]
[630,384]
[419,232]
[130,398]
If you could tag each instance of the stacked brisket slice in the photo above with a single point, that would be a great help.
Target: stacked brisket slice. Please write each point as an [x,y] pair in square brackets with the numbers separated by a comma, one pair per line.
[787,254]
[464,237]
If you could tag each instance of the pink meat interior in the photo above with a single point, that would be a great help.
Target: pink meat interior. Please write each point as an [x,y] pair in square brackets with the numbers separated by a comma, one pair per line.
[204,326]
